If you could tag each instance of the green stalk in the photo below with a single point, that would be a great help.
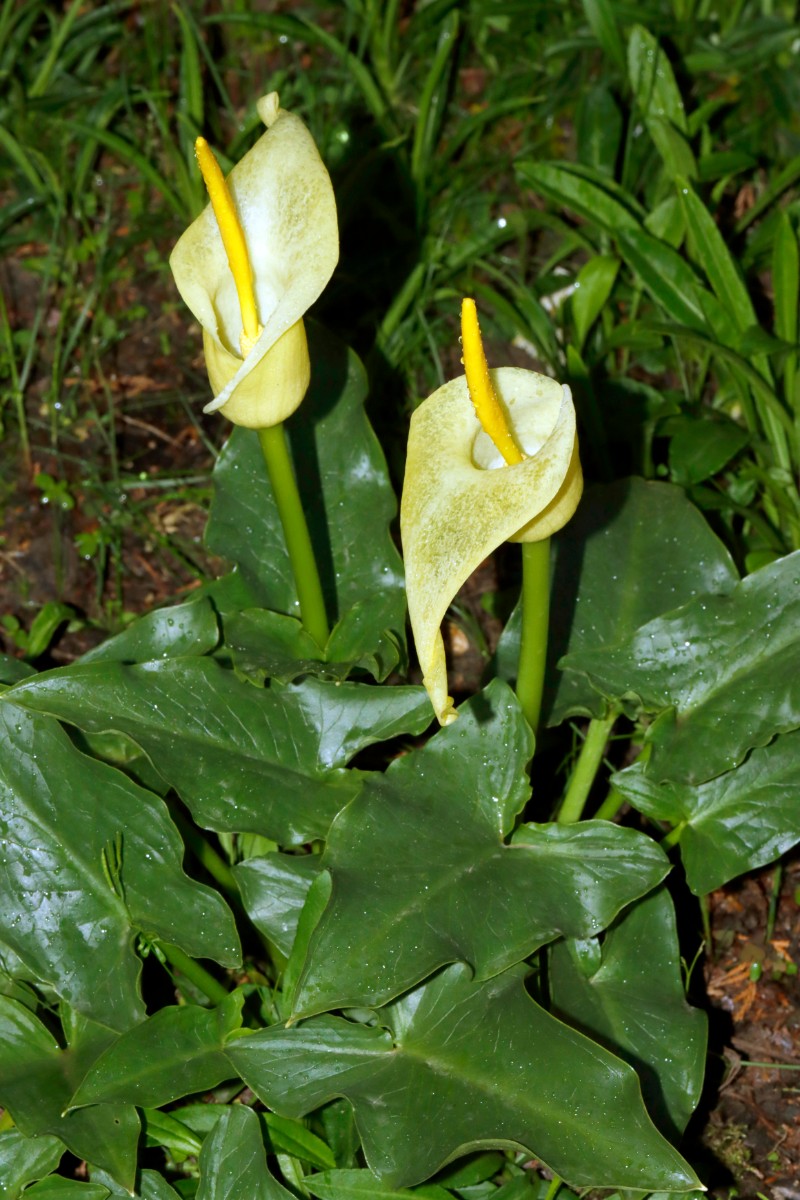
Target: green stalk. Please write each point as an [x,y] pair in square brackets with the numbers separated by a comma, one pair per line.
[777,880]
[295,529]
[673,837]
[207,856]
[535,618]
[705,917]
[610,806]
[586,768]
[555,1187]
[202,979]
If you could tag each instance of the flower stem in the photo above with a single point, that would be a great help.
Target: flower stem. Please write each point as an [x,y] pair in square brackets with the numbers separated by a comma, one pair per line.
[586,768]
[555,1187]
[705,917]
[207,856]
[535,617]
[202,979]
[672,838]
[610,806]
[295,529]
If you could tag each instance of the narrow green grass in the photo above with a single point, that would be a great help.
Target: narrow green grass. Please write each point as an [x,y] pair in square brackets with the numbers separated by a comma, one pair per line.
[616,184]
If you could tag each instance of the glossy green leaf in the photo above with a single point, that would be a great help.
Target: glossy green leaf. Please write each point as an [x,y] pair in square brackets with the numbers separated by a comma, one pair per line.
[526,1187]
[699,448]
[422,874]
[15,977]
[723,672]
[175,1052]
[669,279]
[242,758]
[48,620]
[121,751]
[198,1118]
[353,1185]
[627,993]
[472,1170]
[56,1188]
[274,888]
[589,194]
[12,670]
[369,636]
[87,858]
[186,629]
[348,501]
[741,820]
[161,1129]
[270,645]
[23,1160]
[339,1124]
[265,644]
[37,1080]
[716,259]
[152,1186]
[593,288]
[467,1065]
[233,1163]
[652,79]
[316,901]
[634,549]
[289,1136]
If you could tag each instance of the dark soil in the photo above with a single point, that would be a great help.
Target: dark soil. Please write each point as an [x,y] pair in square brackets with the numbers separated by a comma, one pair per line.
[753,1129]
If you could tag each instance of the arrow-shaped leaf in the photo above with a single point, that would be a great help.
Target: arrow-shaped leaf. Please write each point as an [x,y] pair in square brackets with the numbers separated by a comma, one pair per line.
[37,1079]
[628,993]
[723,670]
[175,1052]
[26,1159]
[468,1065]
[633,550]
[274,889]
[242,758]
[731,824]
[422,874]
[66,908]
[233,1162]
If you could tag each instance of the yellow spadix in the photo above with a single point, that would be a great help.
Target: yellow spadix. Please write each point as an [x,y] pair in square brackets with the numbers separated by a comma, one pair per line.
[461,499]
[253,262]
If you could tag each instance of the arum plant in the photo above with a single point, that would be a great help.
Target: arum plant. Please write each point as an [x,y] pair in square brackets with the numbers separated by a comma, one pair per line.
[492,457]
[249,267]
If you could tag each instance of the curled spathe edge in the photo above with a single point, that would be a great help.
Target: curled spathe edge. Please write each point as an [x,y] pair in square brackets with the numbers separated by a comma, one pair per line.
[454,512]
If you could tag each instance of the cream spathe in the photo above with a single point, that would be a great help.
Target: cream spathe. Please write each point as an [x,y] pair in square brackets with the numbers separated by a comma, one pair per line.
[461,501]
[285,205]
